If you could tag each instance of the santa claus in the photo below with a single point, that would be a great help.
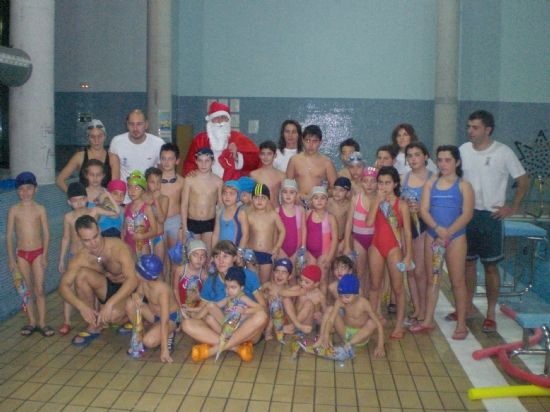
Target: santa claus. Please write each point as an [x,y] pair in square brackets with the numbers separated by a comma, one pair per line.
[235,155]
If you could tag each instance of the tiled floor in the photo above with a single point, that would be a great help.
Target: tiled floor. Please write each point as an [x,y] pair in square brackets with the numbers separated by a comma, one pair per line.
[49,374]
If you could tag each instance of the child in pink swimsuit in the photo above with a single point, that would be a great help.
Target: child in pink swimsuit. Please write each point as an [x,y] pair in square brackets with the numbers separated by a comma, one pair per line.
[293,217]
[322,234]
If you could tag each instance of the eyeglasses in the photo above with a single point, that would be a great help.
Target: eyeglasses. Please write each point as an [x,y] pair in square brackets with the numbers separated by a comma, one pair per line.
[172,180]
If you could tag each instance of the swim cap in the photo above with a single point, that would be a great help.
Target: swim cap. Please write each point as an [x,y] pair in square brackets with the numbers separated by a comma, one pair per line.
[312,272]
[205,151]
[76,189]
[195,244]
[149,267]
[116,184]
[96,123]
[237,274]
[234,184]
[25,178]
[284,262]
[246,184]
[318,190]
[370,171]
[348,285]
[137,178]
[261,190]
[289,184]
[355,158]
[343,182]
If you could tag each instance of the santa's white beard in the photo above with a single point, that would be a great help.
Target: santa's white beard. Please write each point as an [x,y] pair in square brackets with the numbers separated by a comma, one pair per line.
[218,134]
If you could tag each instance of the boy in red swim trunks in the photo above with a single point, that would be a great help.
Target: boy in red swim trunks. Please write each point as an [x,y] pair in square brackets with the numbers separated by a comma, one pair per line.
[29,221]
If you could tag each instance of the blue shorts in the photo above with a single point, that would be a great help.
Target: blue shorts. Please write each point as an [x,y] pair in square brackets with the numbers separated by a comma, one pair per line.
[485,237]
[174,317]
[172,226]
[263,258]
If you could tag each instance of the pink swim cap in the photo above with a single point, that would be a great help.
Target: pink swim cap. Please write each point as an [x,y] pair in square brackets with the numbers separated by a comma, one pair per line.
[116,184]
[370,171]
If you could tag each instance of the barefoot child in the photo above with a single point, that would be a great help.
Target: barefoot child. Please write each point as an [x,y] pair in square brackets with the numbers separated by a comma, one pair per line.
[391,224]
[338,206]
[266,231]
[246,187]
[321,234]
[282,272]
[111,226]
[187,279]
[352,317]
[159,204]
[160,308]
[140,224]
[358,234]
[309,304]
[355,166]
[293,217]
[267,173]
[347,147]
[94,172]
[29,222]
[70,242]
[201,193]
[171,185]
[341,265]
[447,207]
[231,221]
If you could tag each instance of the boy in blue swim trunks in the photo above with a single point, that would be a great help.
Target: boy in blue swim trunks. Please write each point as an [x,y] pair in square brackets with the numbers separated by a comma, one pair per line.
[158,306]
[352,317]
[266,231]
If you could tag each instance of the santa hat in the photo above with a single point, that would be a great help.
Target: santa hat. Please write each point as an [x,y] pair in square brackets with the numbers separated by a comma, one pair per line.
[217,109]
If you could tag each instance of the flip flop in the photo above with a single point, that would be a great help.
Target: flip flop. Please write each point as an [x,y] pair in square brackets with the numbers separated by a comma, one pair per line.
[452,317]
[420,328]
[460,335]
[64,329]
[27,330]
[84,338]
[46,331]
[489,326]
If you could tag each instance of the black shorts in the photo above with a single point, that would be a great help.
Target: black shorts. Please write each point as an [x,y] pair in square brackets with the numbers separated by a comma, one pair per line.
[112,288]
[485,237]
[199,227]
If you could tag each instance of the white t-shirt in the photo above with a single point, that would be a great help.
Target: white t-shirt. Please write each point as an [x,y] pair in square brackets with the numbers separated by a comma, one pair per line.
[403,167]
[136,156]
[488,170]
[282,159]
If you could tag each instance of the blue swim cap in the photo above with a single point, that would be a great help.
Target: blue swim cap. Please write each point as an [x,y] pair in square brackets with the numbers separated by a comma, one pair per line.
[284,262]
[246,184]
[25,178]
[348,285]
[175,253]
[149,267]
[234,184]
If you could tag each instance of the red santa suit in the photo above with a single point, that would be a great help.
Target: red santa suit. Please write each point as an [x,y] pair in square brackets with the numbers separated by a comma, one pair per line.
[225,165]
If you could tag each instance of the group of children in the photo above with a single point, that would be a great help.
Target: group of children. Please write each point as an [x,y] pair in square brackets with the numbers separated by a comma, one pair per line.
[360,230]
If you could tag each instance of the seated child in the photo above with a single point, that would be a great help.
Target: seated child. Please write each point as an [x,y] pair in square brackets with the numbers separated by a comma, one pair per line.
[158,307]
[187,278]
[321,233]
[341,265]
[309,304]
[236,304]
[338,205]
[111,226]
[282,272]
[352,317]
[231,221]
[266,231]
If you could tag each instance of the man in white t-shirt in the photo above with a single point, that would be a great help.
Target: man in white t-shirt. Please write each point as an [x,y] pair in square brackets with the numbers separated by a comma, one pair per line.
[136,149]
[487,165]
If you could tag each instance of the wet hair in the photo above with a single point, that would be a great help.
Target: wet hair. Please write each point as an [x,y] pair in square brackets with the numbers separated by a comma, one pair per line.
[455,153]
[391,171]
[93,162]
[136,111]
[282,141]
[313,130]
[85,222]
[408,128]
[153,171]
[350,142]
[225,246]
[486,118]
[171,147]
[391,149]
[269,144]
[236,274]
[342,260]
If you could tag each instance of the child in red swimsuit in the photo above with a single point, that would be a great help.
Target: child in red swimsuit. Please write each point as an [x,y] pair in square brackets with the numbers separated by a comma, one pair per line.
[386,243]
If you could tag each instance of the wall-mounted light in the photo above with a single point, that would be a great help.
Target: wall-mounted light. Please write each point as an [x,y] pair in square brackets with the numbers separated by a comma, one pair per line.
[85,85]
